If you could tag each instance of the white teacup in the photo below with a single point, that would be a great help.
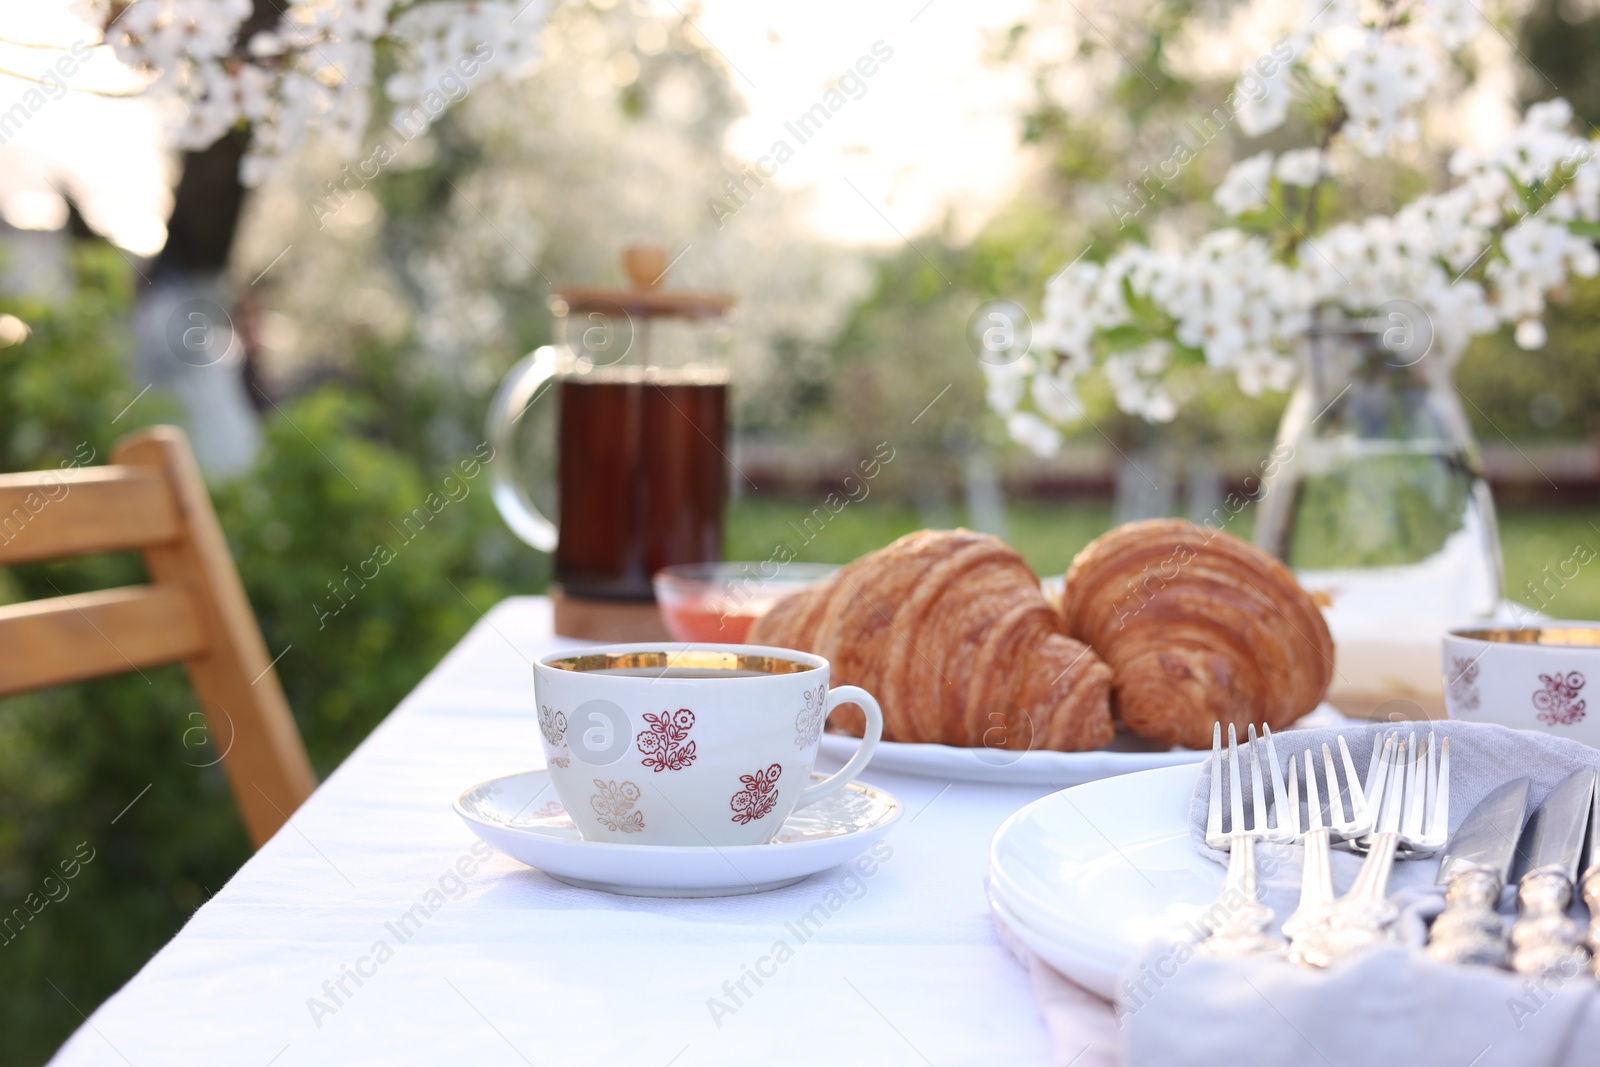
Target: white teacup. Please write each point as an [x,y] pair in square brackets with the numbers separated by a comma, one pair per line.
[678,744]
[1544,677]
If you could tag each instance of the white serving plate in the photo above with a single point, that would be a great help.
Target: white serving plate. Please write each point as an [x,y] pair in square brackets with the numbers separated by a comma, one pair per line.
[1088,875]
[998,766]
[520,816]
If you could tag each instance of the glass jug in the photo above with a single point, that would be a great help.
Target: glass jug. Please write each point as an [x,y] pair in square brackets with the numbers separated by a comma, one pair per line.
[1378,497]
[640,383]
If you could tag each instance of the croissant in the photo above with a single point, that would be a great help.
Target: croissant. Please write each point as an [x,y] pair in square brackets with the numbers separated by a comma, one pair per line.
[948,629]
[1199,628]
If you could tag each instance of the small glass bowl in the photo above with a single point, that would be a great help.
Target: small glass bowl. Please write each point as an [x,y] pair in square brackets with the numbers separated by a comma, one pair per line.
[719,602]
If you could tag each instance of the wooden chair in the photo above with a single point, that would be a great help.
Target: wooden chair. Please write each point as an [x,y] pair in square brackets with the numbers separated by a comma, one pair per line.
[194,609]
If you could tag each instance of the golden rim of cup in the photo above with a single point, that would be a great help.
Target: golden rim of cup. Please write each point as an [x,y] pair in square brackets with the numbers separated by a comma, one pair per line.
[689,659]
[1549,636]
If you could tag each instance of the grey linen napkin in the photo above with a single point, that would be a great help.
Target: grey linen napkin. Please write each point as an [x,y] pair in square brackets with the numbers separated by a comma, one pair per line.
[1389,1005]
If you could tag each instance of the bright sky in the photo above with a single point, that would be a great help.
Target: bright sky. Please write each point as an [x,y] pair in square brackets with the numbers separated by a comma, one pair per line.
[104,152]
[933,127]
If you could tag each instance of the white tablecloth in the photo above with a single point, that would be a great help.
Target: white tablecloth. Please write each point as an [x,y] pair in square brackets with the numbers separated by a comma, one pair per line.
[514,967]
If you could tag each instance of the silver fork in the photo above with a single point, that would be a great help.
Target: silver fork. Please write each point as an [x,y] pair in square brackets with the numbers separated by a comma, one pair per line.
[1241,927]
[1372,786]
[1414,809]
[1316,880]
[1425,827]
[1363,815]
[1415,845]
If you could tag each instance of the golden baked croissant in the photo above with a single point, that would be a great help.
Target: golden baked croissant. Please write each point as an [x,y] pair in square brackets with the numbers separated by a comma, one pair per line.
[1198,627]
[948,629]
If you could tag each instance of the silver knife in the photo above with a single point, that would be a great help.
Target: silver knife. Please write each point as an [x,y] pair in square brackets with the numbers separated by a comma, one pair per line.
[1591,882]
[1474,871]
[1544,939]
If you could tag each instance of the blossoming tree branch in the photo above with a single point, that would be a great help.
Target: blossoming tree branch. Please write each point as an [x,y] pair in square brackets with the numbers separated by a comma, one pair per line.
[292,70]
[1511,225]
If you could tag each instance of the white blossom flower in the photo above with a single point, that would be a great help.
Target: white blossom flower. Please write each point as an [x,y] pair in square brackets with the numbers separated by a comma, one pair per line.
[1245,186]
[1056,396]
[1378,85]
[1007,383]
[1034,434]
[1264,98]
[1229,298]
[1530,334]
[1135,381]
[1534,246]
[1301,166]
[1325,15]
[312,74]
[1260,369]
[1455,22]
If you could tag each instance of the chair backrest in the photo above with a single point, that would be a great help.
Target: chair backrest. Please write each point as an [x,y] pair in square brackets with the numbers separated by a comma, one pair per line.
[152,499]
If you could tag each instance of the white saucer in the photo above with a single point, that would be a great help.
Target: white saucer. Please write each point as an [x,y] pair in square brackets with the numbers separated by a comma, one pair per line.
[521,816]
[1087,876]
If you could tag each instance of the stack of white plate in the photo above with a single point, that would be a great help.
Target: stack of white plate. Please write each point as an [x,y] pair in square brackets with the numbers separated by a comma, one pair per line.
[1087,876]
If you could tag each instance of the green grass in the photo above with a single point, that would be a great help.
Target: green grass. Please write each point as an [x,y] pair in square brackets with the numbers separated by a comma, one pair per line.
[1049,534]
[1533,539]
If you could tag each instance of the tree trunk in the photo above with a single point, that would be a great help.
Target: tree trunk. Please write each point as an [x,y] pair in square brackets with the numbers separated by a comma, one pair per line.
[184,322]
[205,210]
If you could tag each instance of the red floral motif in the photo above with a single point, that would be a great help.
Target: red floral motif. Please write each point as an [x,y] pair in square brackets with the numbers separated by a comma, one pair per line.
[614,805]
[1558,703]
[662,742]
[759,795]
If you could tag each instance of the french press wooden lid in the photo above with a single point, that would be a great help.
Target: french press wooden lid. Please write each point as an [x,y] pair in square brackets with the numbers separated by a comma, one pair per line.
[646,267]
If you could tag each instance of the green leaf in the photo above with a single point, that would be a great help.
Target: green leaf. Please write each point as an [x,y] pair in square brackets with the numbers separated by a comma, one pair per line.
[1120,338]
[1144,309]
[1526,193]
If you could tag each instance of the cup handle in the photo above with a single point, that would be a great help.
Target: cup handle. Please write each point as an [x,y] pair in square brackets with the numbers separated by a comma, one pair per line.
[848,694]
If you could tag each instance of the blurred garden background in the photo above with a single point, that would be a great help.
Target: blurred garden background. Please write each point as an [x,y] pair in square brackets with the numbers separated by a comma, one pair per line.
[374,326]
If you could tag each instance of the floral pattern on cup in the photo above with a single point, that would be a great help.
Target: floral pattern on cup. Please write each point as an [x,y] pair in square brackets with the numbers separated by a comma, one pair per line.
[614,805]
[1557,701]
[1463,682]
[553,725]
[758,795]
[808,724]
[663,740]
